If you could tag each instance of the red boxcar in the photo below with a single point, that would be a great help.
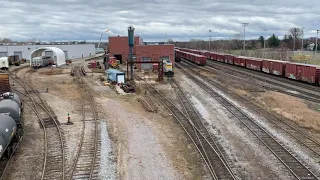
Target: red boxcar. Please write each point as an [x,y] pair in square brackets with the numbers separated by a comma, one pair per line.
[228,59]
[303,72]
[213,56]
[254,63]
[198,59]
[274,67]
[220,57]
[240,61]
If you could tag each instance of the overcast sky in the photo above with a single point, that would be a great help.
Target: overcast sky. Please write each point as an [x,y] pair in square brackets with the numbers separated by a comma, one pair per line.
[154,20]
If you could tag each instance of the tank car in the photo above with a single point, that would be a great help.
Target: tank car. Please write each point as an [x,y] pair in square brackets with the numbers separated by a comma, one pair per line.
[8,129]
[12,108]
[13,96]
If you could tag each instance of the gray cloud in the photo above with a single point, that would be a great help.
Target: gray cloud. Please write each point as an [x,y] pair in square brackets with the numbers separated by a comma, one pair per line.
[179,20]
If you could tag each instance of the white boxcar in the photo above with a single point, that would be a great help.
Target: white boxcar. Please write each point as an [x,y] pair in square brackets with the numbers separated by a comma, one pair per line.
[4,63]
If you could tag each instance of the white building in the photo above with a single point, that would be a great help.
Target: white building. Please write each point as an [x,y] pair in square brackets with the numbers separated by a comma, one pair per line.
[71,50]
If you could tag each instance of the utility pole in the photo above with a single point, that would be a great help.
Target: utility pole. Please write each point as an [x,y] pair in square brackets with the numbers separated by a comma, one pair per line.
[131,44]
[294,40]
[302,33]
[244,35]
[317,42]
[264,39]
[209,39]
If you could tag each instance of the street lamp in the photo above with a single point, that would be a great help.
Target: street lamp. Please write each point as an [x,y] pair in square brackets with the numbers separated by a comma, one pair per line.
[317,42]
[209,40]
[244,35]
[302,33]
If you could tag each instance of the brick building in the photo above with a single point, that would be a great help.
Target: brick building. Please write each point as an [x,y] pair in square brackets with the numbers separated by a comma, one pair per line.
[119,48]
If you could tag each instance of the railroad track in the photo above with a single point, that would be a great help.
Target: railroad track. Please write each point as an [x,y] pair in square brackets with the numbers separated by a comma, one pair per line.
[54,157]
[212,158]
[304,90]
[303,139]
[86,165]
[215,156]
[285,156]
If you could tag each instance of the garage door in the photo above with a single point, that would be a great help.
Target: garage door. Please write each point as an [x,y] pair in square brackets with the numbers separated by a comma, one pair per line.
[146,65]
[18,53]
[3,54]
[48,53]
[66,54]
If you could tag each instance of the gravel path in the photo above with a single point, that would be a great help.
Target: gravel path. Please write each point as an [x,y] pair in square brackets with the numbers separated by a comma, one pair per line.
[141,156]
[107,161]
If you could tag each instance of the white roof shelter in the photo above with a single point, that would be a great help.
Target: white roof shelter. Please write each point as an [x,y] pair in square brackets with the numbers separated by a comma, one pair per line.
[61,58]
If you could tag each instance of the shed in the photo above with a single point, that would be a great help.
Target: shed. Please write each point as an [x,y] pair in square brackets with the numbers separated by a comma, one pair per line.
[115,75]
[61,58]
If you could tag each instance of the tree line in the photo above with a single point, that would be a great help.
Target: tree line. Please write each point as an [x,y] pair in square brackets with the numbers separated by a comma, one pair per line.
[291,40]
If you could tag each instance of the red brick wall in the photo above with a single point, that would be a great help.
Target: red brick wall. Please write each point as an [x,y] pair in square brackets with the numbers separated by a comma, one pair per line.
[155,52]
[118,45]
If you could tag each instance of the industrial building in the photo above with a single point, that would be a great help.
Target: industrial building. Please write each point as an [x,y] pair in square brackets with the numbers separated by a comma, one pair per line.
[71,50]
[119,48]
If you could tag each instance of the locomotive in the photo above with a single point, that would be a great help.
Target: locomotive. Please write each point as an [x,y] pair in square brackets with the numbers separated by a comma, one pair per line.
[11,129]
[41,61]
[167,68]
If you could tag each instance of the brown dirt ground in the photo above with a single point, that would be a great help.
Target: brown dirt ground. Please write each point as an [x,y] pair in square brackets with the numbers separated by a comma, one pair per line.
[291,108]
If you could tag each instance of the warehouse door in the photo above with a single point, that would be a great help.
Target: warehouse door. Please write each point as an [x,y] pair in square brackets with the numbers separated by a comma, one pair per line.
[118,57]
[66,54]
[18,53]
[48,53]
[146,65]
[3,54]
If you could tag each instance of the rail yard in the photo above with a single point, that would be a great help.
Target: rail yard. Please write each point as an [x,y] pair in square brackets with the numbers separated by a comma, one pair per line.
[208,119]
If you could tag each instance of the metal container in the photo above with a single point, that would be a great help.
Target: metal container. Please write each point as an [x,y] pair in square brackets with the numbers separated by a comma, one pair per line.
[13,96]
[220,57]
[93,64]
[229,59]
[303,72]
[115,76]
[291,71]
[11,108]
[274,67]
[240,61]
[253,63]
[8,129]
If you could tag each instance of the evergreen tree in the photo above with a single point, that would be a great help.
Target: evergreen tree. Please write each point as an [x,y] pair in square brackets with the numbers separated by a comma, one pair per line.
[274,41]
[261,40]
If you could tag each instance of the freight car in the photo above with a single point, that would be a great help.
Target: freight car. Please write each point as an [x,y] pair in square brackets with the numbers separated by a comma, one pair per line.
[297,71]
[195,58]
[11,129]
[8,135]
[41,61]
[4,63]
[11,106]
[14,60]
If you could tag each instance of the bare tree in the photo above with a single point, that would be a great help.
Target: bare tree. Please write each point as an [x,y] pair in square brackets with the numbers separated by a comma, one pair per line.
[296,32]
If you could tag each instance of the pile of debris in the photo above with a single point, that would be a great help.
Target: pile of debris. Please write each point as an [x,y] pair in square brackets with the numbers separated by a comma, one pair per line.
[78,71]
[128,88]
[147,103]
